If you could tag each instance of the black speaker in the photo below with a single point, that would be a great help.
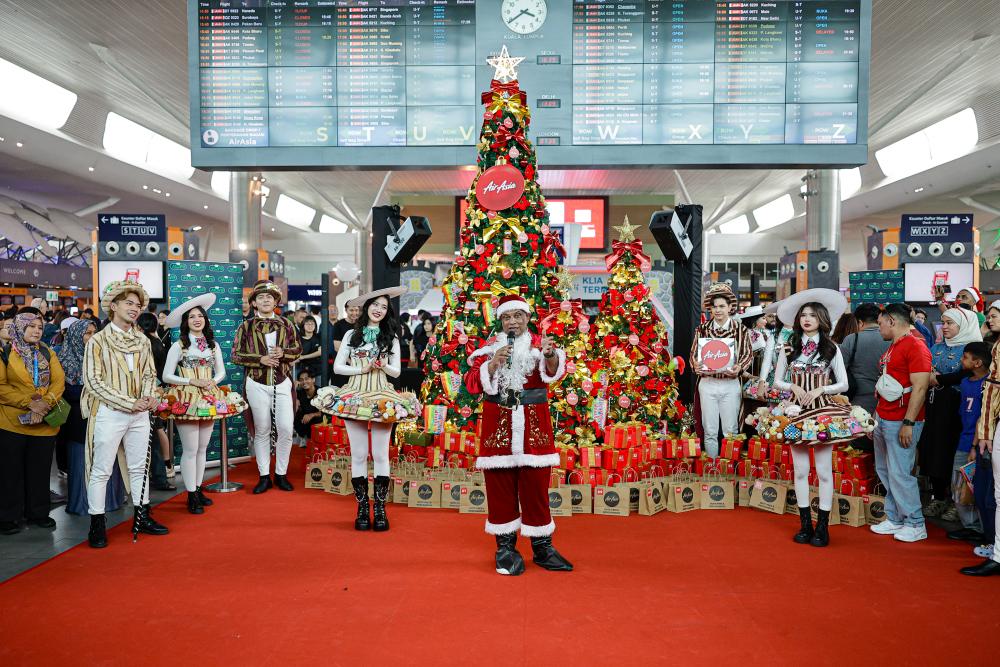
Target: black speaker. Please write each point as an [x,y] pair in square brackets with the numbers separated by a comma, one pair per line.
[935,252]
[674,230]
[384,273]
[403,246]
[823,270]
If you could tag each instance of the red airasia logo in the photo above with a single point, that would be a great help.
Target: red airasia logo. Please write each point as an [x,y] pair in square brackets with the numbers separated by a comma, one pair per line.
[499,187]
[715,355]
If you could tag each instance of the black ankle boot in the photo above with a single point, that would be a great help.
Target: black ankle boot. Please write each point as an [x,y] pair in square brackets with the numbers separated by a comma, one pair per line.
[98,535]
[821,537]
[143,522]
[806,531]
[381,495]
[508,560]
[546,556]
[205,500]
[263,484]
[360,485]
[281,481]
[194,503]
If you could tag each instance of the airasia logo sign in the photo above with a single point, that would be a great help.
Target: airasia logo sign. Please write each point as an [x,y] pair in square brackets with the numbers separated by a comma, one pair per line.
[716,355]
[499,187]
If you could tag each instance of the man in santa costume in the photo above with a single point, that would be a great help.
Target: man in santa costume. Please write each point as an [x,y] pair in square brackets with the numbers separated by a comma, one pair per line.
[517,450]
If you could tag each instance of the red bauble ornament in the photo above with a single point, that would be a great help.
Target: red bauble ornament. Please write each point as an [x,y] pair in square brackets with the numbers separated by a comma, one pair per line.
[499,187]
[572,398]
[522,238]
[566,306]
[633,339]
[545,229]
[570,368]
[432,340]
[628,296]
[584,327]
[657,346]
[508,123]
[491,214]
[523,251]
[460,261]
[466,411]
[435,365]
[587,386]
[643,371]
[463,339]
[624,401]
[480,248]
[506,272]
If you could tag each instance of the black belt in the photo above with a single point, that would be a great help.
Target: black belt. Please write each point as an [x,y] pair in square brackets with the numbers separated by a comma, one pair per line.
[511,399]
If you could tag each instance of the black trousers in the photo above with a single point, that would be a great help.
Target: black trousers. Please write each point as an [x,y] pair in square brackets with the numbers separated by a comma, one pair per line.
[25,462]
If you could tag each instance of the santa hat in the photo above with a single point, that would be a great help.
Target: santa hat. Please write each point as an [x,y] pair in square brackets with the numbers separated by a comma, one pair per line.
[976,295]
[512,302]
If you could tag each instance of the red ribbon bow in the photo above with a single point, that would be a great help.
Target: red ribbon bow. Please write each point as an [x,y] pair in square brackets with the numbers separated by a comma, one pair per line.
[550,315]
[550,246]
[618,250]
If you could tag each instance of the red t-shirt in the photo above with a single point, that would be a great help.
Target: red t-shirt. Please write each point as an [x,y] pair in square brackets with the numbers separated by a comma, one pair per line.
[907,355]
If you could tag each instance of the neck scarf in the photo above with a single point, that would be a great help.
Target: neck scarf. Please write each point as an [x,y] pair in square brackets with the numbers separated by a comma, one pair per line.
[370,334]
[200,341]
[126,342]
[968,327]
[809,345]
[71,353]
[30,353]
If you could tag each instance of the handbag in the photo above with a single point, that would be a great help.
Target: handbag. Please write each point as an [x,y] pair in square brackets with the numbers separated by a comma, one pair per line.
[59,413]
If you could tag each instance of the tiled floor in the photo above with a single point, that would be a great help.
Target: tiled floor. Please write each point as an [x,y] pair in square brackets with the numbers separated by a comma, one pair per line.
[33,546]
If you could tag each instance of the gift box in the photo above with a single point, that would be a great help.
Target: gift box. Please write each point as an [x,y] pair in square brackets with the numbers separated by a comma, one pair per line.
[787,471]
[435,457]
[409,451]
[732,447]
[590,457]
[567,458]
[748,468]
[620,459]
[655,449]
[434,418]
[860,466]
[449,441]
[623,436]
[419,438]
[780,454]
[592,476]
[757,449]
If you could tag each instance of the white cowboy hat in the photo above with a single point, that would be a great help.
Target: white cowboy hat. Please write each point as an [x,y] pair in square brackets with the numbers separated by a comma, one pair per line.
[772,308]
[176,316]
[834,301]
[752,311]
[388,292]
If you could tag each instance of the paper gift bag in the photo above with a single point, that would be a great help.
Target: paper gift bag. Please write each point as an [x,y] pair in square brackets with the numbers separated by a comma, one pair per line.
[874,508]
[425,493]
[683,495]
[652,499]
[451,495]
[339,481]
[401,490]
[769,495]
[851,510]
[718,494]
[814,507]
[474,500]
[316,472]
[743,489]
[581,497]
[632,491]
[611,501]
[791,499]
[560,503]
[476,477]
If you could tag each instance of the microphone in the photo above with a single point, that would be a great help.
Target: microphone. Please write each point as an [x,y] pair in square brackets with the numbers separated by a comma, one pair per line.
[510,342]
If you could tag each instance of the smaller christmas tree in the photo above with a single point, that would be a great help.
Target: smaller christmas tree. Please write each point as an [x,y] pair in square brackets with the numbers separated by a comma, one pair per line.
[639,382]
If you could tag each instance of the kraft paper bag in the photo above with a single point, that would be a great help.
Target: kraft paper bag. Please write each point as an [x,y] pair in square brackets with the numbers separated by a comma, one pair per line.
[633,491]
[653,500]
[474,500]
[851,510]
[743,489]
[581,498]
[611,501]
[451,495]
[401,490]
[317,472]
[718,494]
[814,506]
[874,508]
[339,482]
[791,500]
[769,495]
[425,493]
[560,501]
[683,496]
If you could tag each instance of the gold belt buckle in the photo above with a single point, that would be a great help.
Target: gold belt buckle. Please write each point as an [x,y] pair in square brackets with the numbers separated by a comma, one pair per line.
[506,402]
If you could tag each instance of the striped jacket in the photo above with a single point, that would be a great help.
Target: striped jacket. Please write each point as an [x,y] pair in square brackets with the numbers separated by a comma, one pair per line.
[107,378]
[735,330]
[990,413]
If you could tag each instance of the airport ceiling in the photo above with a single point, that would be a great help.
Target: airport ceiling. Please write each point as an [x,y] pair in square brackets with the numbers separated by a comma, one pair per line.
[950,45]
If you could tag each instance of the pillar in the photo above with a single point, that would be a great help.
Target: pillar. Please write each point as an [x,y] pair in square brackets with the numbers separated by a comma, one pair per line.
[244,210]
[822,209]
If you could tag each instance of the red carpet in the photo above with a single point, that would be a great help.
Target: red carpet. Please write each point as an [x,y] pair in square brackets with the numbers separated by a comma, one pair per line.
[283,579]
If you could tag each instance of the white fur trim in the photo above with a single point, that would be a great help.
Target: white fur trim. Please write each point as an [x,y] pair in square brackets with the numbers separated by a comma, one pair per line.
[512,305]
[489,385]
[517,461]
[538,531]
[548,379]
[503,528]
[517,431]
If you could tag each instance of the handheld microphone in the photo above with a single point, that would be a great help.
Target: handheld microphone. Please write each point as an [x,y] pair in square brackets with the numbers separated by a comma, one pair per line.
[510,342]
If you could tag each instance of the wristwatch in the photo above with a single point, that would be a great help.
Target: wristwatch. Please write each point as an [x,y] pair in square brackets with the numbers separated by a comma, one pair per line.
[907,422]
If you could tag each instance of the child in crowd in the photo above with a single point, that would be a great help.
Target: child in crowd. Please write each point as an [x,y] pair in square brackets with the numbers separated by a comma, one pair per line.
[976,361]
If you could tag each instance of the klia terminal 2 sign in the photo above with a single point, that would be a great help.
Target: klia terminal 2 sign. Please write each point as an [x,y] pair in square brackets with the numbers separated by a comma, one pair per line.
[499,187]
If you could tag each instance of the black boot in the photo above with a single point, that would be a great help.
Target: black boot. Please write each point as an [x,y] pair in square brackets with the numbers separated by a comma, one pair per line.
[144,522]
[281,481]
[205,500]
[98,535]
[194,503]
[806,532]
[263,484]
[381,495]
[821,537]
[360,485]
[508,560]
[546,556]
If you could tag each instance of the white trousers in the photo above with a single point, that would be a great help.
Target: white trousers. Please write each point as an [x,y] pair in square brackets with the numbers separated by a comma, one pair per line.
[111,428]
[357,434]
[260,397]
[719,399]
[195,436]
[996,491]
[824,470]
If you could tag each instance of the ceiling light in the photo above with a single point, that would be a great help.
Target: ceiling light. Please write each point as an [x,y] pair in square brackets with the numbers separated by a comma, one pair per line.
[19,145]
[205,206]
[130,142]
[740,225]
[243,246]
[331,225]
[158,191]
[37,101]
[918,190]
[166,194]
[293,212]
[850,182]
[280,252]
[942,142]
[145,187]
[196,228]
[272,229]
[774,213]
[90,169]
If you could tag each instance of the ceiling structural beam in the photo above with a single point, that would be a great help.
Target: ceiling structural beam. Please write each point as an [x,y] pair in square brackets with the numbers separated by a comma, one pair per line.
[982,206]
[348,215]
[99,206]
[688,199]
[349,211]
[963,56]
[711,224]
[718,209]
[378,198]
[108,58]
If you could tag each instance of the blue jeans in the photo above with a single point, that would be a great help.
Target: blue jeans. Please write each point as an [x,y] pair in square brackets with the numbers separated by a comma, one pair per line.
[894,466]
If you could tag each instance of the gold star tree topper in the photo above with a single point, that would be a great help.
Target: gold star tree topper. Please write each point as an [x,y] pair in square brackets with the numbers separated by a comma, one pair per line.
[505,66]
[626,231]
[565,279]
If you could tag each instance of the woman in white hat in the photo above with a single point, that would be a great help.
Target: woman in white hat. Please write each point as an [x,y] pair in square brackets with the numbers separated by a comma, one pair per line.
[368,356]
[194,369]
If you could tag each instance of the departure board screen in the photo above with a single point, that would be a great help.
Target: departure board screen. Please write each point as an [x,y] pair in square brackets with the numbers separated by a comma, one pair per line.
[396,83]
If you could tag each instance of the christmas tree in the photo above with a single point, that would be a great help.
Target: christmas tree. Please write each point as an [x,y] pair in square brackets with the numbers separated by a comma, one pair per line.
[506,246]
[571,399]
[639,383]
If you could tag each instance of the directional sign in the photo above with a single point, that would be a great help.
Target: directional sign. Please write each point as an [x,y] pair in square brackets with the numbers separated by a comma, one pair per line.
[124,227]
[940,227]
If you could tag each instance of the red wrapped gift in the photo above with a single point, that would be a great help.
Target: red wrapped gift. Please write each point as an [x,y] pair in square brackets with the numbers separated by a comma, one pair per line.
[781,454]
[725,466]
[435,457]
[470,442]
[655,449]
[459,460]
[787,471]
[690,447]
[619,459]
[592,476]
[590,457]
[813,478]
[704,464]
[556,477]
[732,448]
[748,468]
[860,466]
[757,449]
[337,436]
[623,436]
[567,458]
[318,432]
[866,487]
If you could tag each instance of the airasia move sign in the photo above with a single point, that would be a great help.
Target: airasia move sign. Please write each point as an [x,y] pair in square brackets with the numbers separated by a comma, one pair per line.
[499,187]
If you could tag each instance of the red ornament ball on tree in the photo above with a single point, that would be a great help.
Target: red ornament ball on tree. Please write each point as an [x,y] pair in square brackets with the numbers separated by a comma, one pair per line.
[624,401]
[584,327]
[500,187]
[435,365]
[463,339]
[508,123]
[633,339]
[572,398]
[643,371]
[570,368]
[466,411]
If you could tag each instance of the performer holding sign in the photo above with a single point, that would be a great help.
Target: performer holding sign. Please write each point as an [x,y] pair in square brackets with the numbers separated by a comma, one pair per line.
[722,350]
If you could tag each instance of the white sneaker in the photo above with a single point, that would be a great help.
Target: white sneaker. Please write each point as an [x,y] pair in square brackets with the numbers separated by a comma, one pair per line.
[886,528]
[984,551]
[911,534]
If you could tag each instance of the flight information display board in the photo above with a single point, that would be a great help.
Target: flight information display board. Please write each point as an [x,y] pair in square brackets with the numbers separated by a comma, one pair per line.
[396,83]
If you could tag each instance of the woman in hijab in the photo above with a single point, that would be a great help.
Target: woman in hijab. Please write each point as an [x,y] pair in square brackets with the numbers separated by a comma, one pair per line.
[74,432]
[942,424]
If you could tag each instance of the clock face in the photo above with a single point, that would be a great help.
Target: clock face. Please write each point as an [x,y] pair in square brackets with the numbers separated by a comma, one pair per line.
[524,16]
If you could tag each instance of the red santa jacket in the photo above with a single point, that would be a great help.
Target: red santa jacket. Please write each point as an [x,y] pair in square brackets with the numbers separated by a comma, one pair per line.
[518,437]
